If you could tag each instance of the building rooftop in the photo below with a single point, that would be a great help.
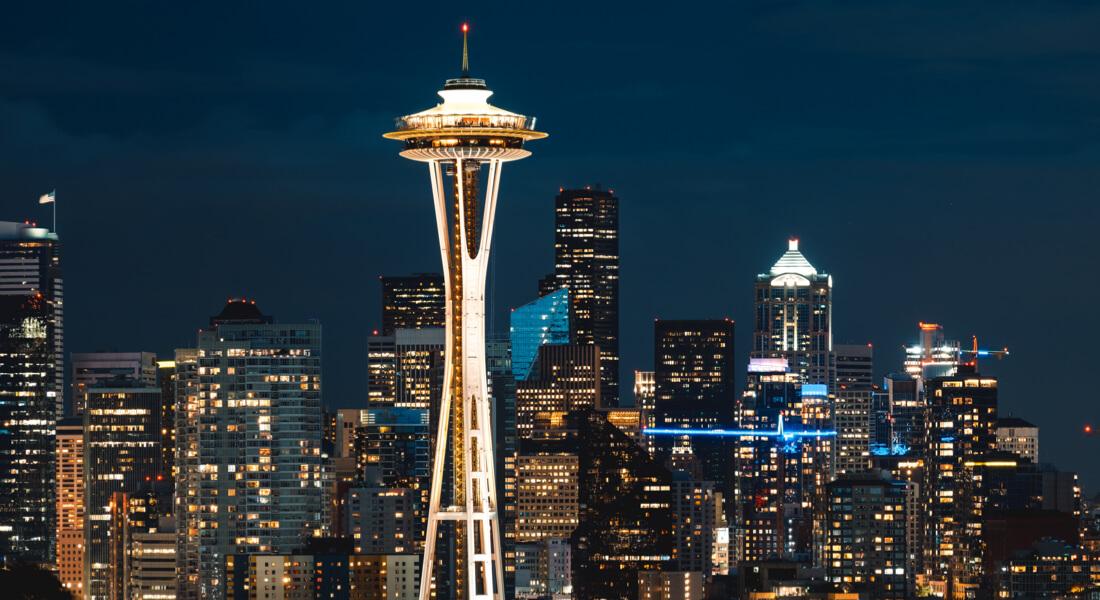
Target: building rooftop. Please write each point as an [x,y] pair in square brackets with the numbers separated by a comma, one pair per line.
[240,310]
[14,230]
[1014,422]
[793,261]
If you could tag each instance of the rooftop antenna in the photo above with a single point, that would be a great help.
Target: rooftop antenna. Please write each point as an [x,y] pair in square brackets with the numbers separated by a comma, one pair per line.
[465,51]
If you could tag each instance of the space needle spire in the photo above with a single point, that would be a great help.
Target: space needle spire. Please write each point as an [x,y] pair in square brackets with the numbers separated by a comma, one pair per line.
[465,142]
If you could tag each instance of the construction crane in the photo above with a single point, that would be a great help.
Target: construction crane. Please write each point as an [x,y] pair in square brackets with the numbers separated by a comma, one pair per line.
[970,357]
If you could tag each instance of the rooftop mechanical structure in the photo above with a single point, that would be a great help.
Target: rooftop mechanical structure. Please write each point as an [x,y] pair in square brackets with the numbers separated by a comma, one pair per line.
[457,138]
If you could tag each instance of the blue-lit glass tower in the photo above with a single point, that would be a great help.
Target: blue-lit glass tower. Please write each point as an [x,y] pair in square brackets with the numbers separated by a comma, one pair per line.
[543,321]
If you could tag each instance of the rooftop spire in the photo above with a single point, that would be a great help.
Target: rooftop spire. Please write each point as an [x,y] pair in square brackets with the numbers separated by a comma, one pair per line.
[465,50]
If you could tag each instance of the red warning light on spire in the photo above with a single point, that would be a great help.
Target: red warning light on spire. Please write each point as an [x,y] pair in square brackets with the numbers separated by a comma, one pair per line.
[465,27]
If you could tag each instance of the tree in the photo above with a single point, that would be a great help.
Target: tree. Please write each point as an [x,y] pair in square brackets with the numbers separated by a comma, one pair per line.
[25,581]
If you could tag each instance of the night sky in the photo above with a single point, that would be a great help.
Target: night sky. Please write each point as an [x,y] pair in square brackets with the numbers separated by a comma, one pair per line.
[939,159]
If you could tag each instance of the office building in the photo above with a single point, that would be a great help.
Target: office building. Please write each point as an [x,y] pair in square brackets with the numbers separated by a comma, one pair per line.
[547,495]
[586,261]
[565,379]
[782,471]
[854,365]
[852,416]
[539,322]
[544,569]
[122,454]
[92,368]
[794,316]
[341,426]
[395,442]
[406,369]
[700,527]
[671,585]
[904,418]
[70,505]
[865,547]
[152,564]
[1019,437]
[645,390]
[693,372]
[933,356]
[625,526]
[251,432]
[384,520]
[413,302]
[962,418]
[31,384]
[141,541]
[1051,568]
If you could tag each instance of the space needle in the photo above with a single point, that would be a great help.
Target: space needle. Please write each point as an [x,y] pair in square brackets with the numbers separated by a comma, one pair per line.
[457,138]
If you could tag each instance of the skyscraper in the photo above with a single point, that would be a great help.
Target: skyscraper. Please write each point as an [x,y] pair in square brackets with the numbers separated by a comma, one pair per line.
[92,368]
[625,525]
[794,316]
[694,372]
[31,384]
[70,505]
[961,430]
[413,302]
[406,369]
[855,366]
[565,380]
[252,431]
[866,544]
[539,322]
[122,454]
[586,261]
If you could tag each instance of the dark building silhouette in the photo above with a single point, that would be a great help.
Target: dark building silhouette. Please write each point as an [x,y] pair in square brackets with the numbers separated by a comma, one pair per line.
[586,260]
[693,372]
[625,512]
[413,302]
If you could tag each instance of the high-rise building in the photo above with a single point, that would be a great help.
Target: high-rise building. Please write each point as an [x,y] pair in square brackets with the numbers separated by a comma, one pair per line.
[70,505]
[699,524]
[565,379]
[122,454]
[396,443]
[384,520]
[544,569]
[693,372]
[406,369]
[539,322]
[248,445]
[586,261]
[502,397]
[625,525]
[671,585]
[852,418]
[141,541]
[854,366]
[1019,437]
[413,302]
[167,377]
[794,316]
[934,356]
[547,495]
[90,369]
[645,390]
[152,563]
[961,425]
[865,547]
[782,471]
[31,384]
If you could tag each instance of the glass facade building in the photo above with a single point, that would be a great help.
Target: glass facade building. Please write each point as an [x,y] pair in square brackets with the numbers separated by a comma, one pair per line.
[413,302]
[537,323]
[31,384]
[586,260]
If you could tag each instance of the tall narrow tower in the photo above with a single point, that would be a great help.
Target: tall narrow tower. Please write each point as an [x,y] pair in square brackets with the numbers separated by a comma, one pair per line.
[457,138]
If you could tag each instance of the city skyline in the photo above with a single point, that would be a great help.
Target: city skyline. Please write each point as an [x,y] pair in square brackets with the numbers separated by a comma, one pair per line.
[833,141]
[863,258]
